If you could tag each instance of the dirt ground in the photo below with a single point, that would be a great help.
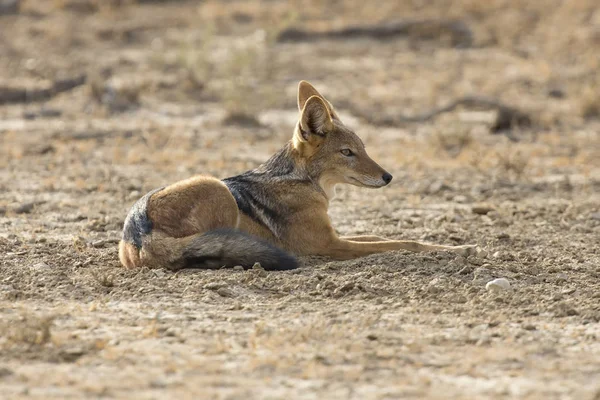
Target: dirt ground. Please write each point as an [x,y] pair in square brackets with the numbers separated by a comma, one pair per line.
[177,88]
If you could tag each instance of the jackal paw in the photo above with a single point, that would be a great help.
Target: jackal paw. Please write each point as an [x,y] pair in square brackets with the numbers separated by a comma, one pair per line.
[467,250]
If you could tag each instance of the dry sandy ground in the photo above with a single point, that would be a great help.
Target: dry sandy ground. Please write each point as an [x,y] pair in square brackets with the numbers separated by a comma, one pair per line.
[179,88]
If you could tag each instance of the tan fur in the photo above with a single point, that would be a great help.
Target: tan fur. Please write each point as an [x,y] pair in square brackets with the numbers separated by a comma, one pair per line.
[195,205]
[319,152]
[129,255]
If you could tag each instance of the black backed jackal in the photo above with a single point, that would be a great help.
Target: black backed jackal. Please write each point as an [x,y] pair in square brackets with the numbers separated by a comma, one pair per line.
[267,214]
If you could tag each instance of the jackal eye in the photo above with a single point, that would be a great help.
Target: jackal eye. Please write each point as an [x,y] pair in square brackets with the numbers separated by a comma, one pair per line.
[347,152]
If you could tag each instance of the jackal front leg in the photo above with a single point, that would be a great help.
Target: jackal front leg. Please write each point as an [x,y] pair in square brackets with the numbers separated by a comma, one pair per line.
[365,238]
[347,249]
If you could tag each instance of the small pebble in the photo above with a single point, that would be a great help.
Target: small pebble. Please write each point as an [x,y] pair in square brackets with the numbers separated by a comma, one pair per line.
[436,286]
[556,93]
[257,266]
[482,209]
[25,208]
[238,268]
[482,272]
[561,277]
[557,297]
[213,286]
[480,253]
[460,199]
[133,195]
[225,292]
[40,266]
[497,285]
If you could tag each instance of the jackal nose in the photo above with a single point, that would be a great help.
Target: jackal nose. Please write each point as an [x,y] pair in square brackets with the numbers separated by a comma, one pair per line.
[387,177]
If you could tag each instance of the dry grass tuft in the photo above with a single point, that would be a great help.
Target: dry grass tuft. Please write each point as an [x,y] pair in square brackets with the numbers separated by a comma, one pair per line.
[105,280]
[590,102]
[453,140]
[512,162]
[28,329]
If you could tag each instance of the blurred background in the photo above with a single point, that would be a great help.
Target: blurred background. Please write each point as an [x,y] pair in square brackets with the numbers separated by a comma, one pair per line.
[504,89]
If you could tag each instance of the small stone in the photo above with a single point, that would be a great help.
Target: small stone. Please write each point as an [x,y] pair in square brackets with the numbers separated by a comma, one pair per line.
[498,285]
[458,298]
[503,236]
[556,93]
[482,272]
[40,266]
[561,277]
[557,297]
[564,310]
[437,187]
[257,266]
[436,285]
[347,287]
[238,268]
[460,199]
[159,273]
[158,383]
[529,327]
[134,195]
[172,332]
[213,286]
[465,270]
[568,291]
[482,209]
[595,216]
[582,228]
[8,7]
[480,253]
[225,292]
[24,208]
[72,354]
[372,336]
[497,254]
[475,260]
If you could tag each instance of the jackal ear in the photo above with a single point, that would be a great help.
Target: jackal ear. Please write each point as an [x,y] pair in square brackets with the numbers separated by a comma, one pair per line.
[306,91]
[315,118]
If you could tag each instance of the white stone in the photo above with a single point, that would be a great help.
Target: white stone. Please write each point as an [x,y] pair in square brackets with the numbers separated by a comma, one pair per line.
[498,285]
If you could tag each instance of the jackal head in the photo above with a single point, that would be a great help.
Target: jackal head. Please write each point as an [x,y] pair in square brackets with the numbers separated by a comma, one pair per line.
[332,152]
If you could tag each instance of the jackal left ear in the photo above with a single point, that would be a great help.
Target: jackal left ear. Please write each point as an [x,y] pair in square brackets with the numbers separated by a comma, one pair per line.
[315,118]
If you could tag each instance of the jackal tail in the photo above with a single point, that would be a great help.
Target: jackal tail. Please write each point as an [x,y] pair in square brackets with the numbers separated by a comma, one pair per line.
[228,248]
[211,250]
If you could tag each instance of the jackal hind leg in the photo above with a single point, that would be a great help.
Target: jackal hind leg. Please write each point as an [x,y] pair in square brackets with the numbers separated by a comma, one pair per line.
[193,206]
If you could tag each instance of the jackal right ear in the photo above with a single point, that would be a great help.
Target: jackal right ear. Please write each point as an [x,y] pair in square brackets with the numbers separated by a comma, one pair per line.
[306,91]
[315,118]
